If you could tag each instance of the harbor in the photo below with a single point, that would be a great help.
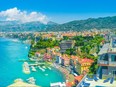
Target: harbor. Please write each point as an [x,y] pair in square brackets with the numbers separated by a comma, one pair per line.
[13,66]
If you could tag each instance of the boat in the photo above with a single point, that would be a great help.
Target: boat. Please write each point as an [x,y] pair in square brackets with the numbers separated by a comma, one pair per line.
[49,68]
[75,74]
[58,84]
[26,68]
[15,40]
[33,68]
[26,47]
[44,67]
[41,69]
[31,80]
[46,74]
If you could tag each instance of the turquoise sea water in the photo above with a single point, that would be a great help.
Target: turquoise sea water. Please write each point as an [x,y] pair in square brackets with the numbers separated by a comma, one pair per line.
[11,68]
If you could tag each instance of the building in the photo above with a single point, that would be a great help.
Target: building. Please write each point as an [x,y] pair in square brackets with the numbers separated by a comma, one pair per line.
[83,65]
[58,58]
[107,59]
[78,79]
[47,57]
[65,60]
[37,54]
[64,45]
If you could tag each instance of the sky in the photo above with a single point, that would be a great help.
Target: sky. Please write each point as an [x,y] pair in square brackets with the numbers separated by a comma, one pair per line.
[59,11]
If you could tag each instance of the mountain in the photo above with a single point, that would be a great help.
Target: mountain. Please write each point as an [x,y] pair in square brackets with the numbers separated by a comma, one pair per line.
[91,23]
[77,25]
[13,26]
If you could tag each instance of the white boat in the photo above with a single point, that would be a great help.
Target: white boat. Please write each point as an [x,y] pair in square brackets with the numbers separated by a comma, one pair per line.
[41,69]
[46,74]
[58,84]
[26,47]
[44,67]
[26,68]
[15,40]
[33,68]
[75,74]
[31,80]
[49,68]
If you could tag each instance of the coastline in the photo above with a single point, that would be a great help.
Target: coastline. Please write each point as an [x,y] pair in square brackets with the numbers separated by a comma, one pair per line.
[19,50]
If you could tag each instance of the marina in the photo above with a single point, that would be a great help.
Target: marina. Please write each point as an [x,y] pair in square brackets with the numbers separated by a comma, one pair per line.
[12,68]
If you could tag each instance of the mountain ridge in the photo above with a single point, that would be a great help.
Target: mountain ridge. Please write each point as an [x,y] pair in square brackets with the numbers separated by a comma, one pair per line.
[76,25]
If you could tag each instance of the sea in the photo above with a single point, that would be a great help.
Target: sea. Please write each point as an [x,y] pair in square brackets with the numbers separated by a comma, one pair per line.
[11,68]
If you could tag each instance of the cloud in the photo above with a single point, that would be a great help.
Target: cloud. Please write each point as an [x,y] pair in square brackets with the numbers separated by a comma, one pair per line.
[15,14]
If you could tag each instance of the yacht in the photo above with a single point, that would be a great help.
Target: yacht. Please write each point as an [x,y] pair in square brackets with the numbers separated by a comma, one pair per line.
[41,69]
[33,68]
[49,68]
[44,67]
[31,80]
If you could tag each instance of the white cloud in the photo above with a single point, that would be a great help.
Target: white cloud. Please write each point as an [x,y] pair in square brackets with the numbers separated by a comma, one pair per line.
[15,14]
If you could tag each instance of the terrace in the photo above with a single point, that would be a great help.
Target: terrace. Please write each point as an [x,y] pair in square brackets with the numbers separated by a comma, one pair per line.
[100,83]
[94,81]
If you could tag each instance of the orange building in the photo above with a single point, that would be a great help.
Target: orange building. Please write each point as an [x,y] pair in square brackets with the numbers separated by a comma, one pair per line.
[83,65]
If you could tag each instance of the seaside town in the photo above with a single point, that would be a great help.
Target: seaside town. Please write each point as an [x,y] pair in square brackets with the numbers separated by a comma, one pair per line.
[58,43]
[86,59]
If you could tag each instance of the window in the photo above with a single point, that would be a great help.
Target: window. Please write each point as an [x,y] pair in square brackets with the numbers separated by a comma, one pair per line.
[114,72]
[113,58]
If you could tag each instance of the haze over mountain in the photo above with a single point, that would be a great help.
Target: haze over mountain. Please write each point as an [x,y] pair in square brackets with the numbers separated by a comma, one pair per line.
[76,25]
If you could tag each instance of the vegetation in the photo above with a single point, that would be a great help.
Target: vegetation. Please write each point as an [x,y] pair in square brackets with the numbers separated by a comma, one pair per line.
[87,47]
[45,43]
[78,25]
[41,45]
[71,51]
[65,38]
[91,23]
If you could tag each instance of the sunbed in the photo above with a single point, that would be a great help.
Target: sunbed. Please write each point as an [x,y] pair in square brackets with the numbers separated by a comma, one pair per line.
[112,80]
[107,80]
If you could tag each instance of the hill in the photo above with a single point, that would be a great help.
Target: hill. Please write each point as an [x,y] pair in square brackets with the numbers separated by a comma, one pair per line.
[77,25]
[91,23]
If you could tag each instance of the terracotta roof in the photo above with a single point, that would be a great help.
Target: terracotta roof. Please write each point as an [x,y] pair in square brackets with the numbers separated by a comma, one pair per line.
[69,84]
[79,78]
[56,47]
[74,57]
[47,56]
[37,53]
[86,60]
[48,48]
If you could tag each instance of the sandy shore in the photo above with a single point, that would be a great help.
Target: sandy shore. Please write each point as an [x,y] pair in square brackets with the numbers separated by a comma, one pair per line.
[20,83]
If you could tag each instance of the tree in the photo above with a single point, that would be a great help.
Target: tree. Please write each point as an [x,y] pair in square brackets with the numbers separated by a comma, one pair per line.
[71,51]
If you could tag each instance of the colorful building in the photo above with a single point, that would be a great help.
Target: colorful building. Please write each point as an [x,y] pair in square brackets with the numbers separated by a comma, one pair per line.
[107,59]
[83,65]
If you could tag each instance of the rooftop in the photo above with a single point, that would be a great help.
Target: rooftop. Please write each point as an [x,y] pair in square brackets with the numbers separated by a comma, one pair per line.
[104,49]
[85,60]
[79,78]
[100,83]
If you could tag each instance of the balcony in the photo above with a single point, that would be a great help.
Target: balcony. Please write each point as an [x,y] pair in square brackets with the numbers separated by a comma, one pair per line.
[103,62]
[112,63]
[106,63]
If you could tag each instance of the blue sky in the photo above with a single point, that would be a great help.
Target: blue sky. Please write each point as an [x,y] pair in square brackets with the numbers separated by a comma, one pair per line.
[64,10]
